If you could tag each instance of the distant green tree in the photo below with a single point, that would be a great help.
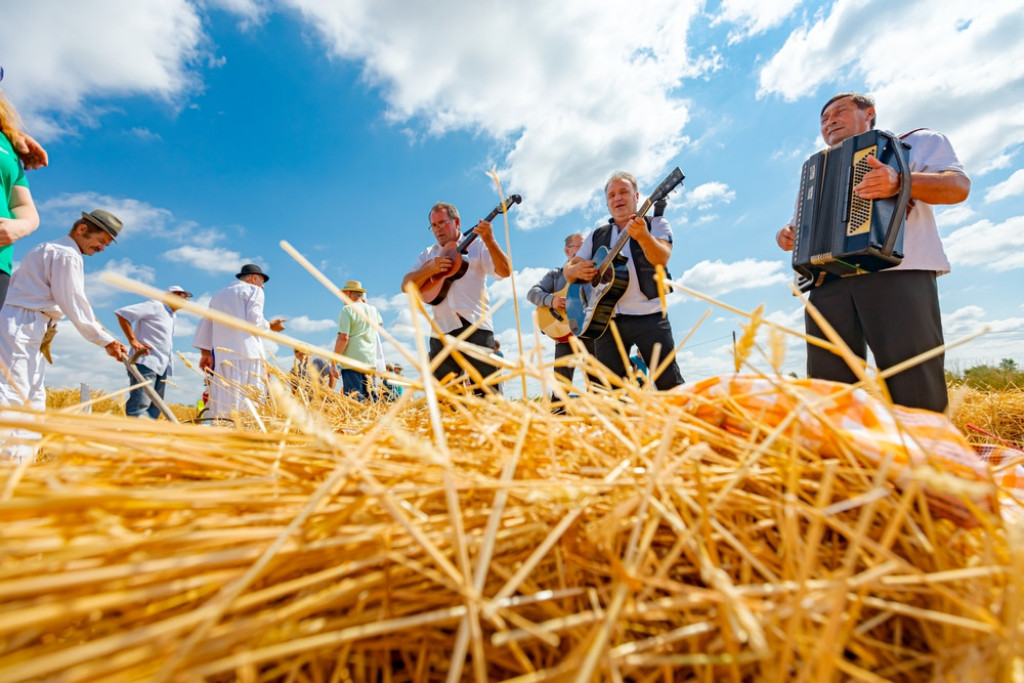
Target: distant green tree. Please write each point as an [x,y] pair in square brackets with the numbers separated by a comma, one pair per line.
[1006,375]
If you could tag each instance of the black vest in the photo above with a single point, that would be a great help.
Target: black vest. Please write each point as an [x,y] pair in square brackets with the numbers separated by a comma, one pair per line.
[644,268]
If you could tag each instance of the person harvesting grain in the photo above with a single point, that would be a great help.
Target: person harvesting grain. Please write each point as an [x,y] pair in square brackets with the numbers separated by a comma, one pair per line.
[49,285]
[239,359]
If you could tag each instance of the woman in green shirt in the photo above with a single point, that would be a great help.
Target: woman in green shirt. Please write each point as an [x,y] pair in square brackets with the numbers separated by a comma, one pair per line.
[18,215]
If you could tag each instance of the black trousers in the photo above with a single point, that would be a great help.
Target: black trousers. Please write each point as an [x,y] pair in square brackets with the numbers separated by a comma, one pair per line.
[645,332]
[484,338]
[5,281]
[563,349]
[896,315]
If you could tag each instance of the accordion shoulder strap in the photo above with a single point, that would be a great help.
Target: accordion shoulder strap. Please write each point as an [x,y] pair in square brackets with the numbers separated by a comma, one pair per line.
[910,132]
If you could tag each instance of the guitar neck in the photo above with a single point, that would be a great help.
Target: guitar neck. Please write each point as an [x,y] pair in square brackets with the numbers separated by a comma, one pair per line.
[469,235]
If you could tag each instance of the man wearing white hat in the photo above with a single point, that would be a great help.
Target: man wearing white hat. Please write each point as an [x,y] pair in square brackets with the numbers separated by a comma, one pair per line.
[153,339]
[235,356]
[357,339]
[49,285]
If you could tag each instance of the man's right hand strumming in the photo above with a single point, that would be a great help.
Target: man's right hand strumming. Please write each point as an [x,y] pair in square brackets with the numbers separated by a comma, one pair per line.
[579,270]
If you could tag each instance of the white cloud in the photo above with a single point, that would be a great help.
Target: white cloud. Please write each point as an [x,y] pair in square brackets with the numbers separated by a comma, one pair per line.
[500,290]
[704,196]
[99,292]
[959,70]
[1002,340]
[303,323]
[212,260]
[103,48]
[184,326]
[753,16]
[715,278]
[949,216]
[571,107]
[996,246]
[145,134]
[141,220]
[1011,187]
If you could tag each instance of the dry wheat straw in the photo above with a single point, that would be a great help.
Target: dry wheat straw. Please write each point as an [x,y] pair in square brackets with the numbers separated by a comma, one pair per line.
[449,537]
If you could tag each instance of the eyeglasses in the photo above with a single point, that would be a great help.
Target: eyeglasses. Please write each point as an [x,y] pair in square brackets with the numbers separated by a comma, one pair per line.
[436,226]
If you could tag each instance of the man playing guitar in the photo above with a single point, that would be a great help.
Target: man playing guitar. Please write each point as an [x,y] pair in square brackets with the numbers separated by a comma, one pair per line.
[466,301]
[637,314]
[550,293]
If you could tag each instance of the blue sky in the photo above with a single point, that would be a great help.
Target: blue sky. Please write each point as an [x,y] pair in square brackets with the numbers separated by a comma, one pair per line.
[217,128]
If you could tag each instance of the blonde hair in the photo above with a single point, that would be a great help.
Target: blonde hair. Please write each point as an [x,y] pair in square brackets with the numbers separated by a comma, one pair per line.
[10,125]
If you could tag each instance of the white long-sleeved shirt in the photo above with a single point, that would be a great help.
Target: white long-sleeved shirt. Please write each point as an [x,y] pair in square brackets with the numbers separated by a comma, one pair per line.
[241,300]
[51,279]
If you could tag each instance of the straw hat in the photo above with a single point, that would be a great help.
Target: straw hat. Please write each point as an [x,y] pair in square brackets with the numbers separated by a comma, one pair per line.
[354,286]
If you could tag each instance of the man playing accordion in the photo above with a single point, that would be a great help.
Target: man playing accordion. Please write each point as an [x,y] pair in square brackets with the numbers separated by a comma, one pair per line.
[894,311]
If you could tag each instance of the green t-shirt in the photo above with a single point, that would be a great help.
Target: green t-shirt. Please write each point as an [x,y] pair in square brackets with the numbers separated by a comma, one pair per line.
[11,174]
[362,337]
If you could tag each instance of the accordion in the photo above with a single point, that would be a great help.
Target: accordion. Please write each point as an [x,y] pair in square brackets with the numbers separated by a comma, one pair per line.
[838,232]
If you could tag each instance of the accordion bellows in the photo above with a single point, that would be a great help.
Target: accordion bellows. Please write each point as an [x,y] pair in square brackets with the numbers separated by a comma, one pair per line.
[838,232]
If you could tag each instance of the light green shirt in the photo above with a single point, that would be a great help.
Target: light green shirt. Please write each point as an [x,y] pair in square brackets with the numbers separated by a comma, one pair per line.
[362,336]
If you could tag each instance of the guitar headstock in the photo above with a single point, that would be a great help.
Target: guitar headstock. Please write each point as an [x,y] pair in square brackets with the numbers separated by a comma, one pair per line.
[670,183]
[510,201]
[667,185]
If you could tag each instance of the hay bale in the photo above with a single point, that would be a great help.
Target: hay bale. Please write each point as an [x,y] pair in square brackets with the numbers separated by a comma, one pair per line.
[485,540]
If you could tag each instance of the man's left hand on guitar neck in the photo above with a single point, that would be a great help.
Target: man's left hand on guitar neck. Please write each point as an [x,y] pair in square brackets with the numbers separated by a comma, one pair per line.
[485,231]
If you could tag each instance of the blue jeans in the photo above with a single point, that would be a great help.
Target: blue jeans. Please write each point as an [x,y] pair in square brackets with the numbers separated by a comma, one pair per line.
[358,383]
[139,403]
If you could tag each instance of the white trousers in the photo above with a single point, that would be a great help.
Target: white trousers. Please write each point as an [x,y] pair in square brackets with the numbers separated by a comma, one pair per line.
[241,377]
[22,375]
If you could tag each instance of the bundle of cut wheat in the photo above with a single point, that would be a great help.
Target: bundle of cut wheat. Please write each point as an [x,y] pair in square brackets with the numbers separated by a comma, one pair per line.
[993,416]
[642,537]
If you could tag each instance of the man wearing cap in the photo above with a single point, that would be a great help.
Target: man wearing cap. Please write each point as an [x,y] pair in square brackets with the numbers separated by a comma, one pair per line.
[238,361]
[153,340]
[49,285]
[358,340]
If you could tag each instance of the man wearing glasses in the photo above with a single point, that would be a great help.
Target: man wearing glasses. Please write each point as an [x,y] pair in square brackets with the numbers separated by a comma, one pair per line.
[466,302]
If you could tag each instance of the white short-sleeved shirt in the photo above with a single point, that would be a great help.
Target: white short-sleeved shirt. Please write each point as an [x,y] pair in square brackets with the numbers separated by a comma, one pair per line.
[633,301]
[153,322]
[468,295]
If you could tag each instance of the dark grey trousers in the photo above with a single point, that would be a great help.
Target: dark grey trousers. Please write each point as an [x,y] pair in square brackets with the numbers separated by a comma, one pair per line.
[644,332]
[896,315]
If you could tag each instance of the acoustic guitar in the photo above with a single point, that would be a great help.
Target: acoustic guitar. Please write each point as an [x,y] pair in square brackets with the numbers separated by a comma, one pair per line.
[589,314]
[436,288]
[552,321]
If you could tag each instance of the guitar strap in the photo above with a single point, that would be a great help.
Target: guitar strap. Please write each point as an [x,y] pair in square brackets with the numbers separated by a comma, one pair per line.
[644,268]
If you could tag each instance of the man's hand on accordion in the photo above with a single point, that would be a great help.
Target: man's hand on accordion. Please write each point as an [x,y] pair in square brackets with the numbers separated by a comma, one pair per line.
[880,182]
[784,238]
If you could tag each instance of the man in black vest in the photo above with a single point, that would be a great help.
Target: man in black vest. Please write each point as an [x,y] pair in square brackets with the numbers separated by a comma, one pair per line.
[637,315]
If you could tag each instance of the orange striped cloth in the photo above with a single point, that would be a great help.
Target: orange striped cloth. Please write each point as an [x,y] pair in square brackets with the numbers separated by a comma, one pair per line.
[830,419]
